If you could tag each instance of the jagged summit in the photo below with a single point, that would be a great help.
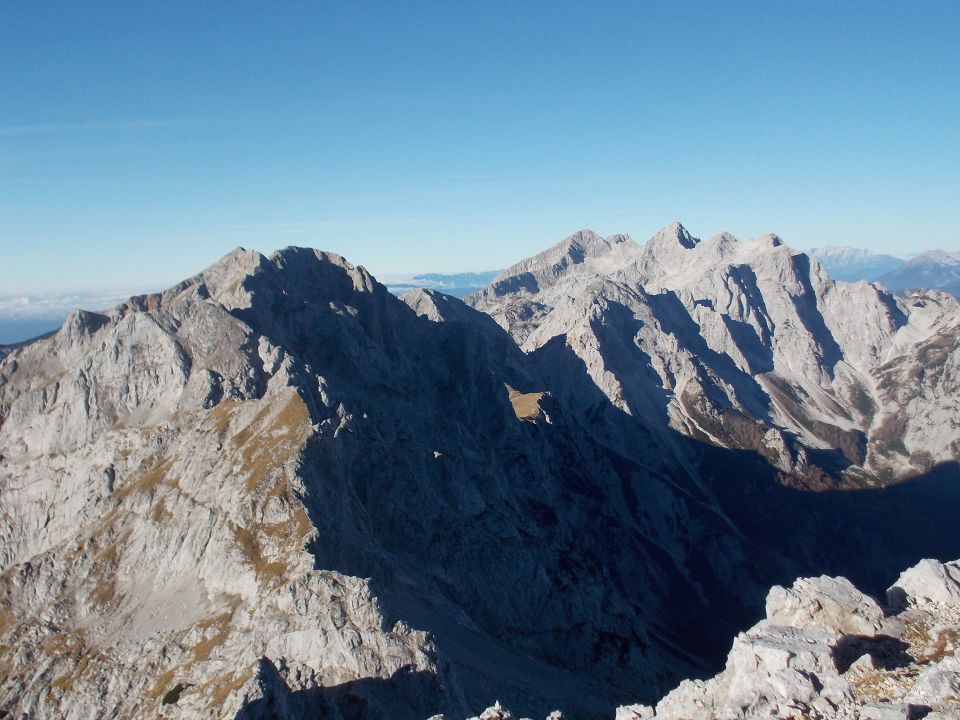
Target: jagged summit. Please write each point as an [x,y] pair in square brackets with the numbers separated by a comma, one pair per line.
[741,329]
[724,239]
[671,235]
[583,253]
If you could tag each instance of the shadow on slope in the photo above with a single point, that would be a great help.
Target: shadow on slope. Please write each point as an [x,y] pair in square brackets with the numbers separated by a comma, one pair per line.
[406,695]
[868,535]
[592,557]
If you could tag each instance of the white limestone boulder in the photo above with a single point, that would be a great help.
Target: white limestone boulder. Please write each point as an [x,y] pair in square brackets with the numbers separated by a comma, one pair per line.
[929,581]
[829,603]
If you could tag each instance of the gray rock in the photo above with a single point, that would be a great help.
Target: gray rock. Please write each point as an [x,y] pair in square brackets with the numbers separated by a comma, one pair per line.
[828,603]
[927,582]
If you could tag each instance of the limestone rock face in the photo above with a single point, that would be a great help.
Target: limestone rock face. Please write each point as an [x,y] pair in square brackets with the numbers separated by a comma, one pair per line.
[927,582]
[155,531]
[831,604]
[277,491]
[748,345]
[276,487]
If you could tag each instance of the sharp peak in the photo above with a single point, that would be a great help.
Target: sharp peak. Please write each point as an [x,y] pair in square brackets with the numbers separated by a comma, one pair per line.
[675,232]
[239,255]
[587,238]
[584,239]
[431,294]
[584,233]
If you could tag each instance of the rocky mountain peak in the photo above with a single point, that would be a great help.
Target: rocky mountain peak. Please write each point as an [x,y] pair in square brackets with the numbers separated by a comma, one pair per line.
[574,250]
[324,268]
[667,251]
[674,234]
[225,276]
[668,240]
[584,253]
[767,310]
[437,307]
[724,238]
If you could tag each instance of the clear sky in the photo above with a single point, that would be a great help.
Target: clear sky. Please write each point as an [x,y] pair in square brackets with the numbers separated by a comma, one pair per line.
[139,141]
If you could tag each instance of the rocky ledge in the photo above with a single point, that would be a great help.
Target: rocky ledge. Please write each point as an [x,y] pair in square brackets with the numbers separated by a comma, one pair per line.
[827,651]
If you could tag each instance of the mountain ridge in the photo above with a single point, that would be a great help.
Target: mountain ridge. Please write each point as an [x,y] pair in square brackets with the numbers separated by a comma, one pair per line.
[276,486]
[723,292]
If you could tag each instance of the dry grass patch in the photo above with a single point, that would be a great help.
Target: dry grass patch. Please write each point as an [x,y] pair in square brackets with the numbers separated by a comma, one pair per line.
[944,646]
[160,513]
[222,414]
[149,481]
[110,554]
[72,647]
[64,644]
[201,651]
[254,553]
[163,684]
[66,682]
[105,591]
[6,662]
[885,685]
[7,619]
[526,406]
[223,686]
[272,439]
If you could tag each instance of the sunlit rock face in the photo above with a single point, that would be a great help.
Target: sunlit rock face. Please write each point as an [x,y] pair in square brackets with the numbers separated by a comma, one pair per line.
[840,657]
[747,345]
[276,490]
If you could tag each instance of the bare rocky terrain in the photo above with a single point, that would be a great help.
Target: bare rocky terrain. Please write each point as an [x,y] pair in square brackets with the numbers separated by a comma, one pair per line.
[277,490]
[826,650]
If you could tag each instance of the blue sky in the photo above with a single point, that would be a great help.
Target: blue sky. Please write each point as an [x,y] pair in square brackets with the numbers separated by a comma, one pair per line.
[141,141]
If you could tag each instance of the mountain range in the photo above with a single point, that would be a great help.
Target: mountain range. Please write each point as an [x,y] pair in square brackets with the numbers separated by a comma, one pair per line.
[278,490]
[24,317]
[934,269]
[852,264]
[455,284]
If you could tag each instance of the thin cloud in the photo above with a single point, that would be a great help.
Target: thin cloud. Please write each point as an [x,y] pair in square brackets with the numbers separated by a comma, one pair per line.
[58,306]
[68,128]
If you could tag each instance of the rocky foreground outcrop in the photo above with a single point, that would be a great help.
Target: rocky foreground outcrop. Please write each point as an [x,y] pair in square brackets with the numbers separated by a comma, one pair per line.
[826,650]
